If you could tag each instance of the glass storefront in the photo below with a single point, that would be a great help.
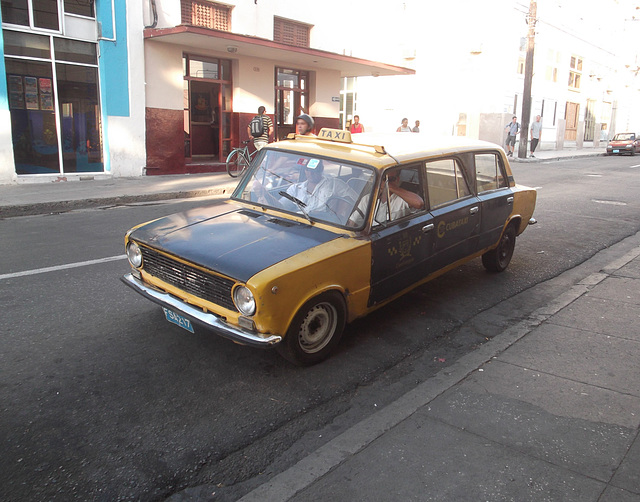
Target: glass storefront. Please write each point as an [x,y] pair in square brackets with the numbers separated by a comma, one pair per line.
[53,90]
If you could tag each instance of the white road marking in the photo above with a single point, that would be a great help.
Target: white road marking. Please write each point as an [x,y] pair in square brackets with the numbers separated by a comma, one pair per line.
[610,202]
[63,267]
[637,165]
[595,175]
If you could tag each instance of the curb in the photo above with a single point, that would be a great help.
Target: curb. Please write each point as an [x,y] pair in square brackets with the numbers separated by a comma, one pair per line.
[556,158]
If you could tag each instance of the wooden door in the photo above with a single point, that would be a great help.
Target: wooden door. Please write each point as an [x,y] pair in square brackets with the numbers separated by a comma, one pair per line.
[571,117]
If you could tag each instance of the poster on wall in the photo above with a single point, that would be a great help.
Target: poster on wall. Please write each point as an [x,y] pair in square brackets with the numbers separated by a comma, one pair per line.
[16,92]
[31,93]
[46,94]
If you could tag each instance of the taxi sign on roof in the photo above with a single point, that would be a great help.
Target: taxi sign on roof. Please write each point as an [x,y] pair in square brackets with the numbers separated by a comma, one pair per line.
[335,135]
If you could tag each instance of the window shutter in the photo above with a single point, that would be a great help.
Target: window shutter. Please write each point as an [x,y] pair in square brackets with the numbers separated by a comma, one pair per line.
[206,14]
[290,32]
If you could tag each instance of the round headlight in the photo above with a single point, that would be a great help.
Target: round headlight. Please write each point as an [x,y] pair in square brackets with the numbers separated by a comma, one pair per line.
[134,254]
[243,298]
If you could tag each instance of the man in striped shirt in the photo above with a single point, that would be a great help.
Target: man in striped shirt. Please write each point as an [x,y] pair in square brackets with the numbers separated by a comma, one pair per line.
[267,129]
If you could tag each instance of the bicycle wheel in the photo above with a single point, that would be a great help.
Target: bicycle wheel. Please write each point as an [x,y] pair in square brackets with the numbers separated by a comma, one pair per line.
[236,163]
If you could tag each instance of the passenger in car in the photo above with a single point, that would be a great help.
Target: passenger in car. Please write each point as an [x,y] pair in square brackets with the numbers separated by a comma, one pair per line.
[401,202]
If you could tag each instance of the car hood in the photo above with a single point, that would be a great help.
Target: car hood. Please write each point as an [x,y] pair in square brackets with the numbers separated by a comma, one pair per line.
[235,241]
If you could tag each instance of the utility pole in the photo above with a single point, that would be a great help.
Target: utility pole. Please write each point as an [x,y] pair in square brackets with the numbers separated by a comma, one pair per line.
[528,76]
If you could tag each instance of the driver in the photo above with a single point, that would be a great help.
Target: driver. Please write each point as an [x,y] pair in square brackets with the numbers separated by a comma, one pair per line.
[317,189]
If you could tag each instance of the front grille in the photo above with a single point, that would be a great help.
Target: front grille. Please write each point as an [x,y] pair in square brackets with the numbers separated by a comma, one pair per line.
[212,288]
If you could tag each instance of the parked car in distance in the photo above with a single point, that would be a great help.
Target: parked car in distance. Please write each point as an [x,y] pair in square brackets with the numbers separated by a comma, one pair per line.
[624,142]
[323,230]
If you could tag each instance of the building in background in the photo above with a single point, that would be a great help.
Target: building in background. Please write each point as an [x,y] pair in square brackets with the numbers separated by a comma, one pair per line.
[66,90]
[469,60]
[209,66]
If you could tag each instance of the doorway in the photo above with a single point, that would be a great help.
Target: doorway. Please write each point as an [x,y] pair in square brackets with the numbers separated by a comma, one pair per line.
[571,116]
[207,109]
[292,88]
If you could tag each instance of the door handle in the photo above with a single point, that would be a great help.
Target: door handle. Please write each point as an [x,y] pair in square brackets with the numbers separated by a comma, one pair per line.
[509,200]
[473,210]
[427,228]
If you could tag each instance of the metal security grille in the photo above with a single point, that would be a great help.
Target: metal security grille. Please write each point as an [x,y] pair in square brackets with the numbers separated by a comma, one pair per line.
[206,14]
[290,32]
[212,288]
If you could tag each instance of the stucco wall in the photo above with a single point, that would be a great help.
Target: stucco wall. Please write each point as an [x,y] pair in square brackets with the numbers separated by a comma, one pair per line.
[164,75]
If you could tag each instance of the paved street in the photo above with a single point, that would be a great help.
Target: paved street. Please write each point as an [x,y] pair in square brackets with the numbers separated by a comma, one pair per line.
[102,399]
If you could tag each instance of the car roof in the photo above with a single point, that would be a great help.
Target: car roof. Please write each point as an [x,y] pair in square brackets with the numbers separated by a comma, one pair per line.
[381,150]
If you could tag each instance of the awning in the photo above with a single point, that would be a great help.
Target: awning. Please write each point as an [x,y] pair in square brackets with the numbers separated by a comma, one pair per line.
[304,58]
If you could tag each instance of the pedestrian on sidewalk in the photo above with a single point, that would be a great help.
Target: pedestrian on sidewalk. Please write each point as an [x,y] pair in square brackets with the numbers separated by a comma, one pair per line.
[512,129]
[404,127]
[417,127]
[356,126]
[536,134]
[260,128]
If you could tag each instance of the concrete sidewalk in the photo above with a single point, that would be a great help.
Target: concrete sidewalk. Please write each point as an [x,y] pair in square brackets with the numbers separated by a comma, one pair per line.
[547,410]
[85,192]
[31,198]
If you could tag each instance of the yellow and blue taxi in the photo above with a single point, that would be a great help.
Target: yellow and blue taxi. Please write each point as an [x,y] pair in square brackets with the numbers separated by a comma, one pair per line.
[323,230]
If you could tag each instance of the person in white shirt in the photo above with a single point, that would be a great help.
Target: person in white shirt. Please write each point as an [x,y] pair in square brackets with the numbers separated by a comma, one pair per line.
[401,202]
[536,134]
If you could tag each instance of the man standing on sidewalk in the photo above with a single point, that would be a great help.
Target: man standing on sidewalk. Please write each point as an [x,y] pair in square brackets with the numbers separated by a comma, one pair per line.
[512,129]
[260,128]
[536,134]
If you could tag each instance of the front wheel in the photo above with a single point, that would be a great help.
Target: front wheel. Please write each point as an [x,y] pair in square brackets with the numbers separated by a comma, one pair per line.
[236,163]
[315,331]
[499,258]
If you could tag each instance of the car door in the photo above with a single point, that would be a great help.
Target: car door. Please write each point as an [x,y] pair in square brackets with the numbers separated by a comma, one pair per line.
[401,248]
[456,211]
[496,198]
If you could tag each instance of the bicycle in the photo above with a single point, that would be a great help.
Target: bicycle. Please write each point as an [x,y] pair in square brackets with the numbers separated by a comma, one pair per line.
[239,159]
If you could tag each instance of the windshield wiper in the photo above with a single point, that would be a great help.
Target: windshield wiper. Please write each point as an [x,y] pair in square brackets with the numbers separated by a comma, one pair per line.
[298,203]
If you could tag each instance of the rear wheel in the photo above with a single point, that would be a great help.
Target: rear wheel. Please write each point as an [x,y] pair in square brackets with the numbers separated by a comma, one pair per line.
[315,331]
[236,163]
[499,258]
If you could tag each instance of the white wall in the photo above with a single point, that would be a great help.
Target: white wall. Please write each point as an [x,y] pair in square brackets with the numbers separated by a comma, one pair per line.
[125,136]
[164,76]
[7,166]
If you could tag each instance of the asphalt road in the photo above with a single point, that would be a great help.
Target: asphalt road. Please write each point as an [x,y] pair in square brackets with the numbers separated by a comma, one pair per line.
[102,399]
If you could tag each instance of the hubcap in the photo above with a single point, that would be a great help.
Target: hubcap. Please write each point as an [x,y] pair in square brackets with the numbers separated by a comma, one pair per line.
[318,328]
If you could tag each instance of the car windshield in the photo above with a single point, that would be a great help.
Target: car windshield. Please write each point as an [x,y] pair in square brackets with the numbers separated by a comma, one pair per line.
[320,189]
[626,136]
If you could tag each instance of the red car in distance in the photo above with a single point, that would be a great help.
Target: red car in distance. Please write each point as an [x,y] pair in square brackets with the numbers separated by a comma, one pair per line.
[624,142]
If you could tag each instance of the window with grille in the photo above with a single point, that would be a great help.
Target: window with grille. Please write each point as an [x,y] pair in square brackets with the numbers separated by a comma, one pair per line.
[206,14]
[290,32]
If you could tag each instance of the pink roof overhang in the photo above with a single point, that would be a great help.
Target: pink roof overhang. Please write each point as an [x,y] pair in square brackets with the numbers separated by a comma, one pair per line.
[303,58]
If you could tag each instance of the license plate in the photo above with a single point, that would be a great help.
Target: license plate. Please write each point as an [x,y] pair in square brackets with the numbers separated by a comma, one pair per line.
[616,151]
[181,321]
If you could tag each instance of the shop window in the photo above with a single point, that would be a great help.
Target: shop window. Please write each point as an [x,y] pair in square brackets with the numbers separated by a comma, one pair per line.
[291,32]
[45,13]
[26,44]
[79,7]
[74,51]
[79,118]
[33,120]
[206,14]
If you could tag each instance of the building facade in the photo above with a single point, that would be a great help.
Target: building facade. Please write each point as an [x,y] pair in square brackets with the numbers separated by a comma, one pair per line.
[65,90]
[469,59]
[209,66]
[125,88]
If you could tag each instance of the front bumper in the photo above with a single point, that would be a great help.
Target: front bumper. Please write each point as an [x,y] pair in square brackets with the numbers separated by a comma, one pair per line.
[197,316]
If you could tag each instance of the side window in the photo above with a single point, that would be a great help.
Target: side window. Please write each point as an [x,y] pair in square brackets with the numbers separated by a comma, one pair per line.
[488,173]
[445,182]
[400,195]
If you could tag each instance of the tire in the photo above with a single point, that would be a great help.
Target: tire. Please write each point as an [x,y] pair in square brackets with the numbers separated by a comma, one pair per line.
[236,163]
[498,259]
[315,331]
